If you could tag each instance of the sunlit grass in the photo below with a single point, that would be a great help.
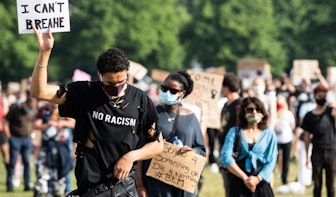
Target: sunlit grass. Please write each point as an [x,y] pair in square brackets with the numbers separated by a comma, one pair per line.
[212,187]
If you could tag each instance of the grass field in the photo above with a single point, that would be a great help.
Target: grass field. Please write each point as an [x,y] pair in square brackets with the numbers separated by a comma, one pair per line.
[212,187]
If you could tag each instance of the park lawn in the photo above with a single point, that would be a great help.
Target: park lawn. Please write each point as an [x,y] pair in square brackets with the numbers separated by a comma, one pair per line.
[212,187]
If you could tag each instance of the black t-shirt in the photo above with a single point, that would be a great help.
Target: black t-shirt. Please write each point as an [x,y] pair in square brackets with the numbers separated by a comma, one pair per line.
[20,120]
[322,128]
[228,118]
[114,123]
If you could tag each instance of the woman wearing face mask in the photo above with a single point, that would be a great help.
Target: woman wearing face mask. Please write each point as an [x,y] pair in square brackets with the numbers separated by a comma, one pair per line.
[319,130]
[256,160]
[175,87]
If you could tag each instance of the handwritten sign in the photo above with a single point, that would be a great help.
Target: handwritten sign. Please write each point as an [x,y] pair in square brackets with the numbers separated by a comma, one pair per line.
[159,75]
[137,70]
[205,95]
[305,68]
[331,73]
[43,14]
[180,170]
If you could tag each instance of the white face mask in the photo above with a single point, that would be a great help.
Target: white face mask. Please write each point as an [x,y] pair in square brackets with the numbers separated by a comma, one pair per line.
[169,98]
[259,89]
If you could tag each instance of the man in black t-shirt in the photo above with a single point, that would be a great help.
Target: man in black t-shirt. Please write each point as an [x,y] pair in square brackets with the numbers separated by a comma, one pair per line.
[230,90]
[19,124]
[319,128]
[110,115]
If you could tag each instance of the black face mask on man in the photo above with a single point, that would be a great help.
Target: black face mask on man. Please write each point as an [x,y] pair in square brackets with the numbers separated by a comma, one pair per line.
[112,90]
[321,101]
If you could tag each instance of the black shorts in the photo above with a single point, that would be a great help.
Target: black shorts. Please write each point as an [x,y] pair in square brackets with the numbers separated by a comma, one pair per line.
[3,138]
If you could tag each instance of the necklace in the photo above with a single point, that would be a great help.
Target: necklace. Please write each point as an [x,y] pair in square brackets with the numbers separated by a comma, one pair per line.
[170,119]
[114,104]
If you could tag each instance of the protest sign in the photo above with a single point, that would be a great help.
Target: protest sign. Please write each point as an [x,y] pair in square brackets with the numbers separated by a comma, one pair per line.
[205,95]
[305,69]
[180,170]
[80,75]
[248,69]
[137,70]
[43,14]
[159,75]
[331,73]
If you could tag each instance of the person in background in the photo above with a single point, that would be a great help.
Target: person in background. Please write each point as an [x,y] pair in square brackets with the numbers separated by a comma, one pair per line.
[153,93]
[304,172]
[19,123]
[111,116]
[4,148]
[259,91]
[54,161]
[284,129]
[176,86]
[230,90]
[319,128]
[252,170]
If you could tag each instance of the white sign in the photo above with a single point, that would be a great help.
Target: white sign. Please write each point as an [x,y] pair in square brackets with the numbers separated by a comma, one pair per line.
[43,14]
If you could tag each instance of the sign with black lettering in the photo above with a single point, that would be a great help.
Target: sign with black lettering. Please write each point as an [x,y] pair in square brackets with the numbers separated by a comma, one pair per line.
[43,14]
[180,170]
[206,92]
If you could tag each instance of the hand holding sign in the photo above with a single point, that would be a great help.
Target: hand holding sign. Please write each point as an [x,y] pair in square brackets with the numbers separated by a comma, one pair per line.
[45,40]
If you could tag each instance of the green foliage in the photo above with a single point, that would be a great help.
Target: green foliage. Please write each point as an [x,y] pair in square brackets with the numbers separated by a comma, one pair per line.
[223,32]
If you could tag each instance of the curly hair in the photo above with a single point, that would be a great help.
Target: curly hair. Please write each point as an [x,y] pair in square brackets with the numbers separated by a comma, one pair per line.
[112,60]
[184,78]
[241,120]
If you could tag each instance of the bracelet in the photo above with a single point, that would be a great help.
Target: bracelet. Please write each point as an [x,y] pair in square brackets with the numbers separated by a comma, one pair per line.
[41,65]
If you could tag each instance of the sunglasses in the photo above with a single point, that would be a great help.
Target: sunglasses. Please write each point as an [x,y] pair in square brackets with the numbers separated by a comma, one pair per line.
[251,109]
[171,90]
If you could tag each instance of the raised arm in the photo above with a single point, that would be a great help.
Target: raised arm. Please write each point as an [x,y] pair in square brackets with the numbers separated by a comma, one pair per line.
[40,89]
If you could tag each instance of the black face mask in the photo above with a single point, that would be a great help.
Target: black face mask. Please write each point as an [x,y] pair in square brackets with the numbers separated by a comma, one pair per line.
[321,101]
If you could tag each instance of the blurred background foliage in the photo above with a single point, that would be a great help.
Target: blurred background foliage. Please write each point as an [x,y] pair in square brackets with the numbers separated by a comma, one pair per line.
[177,34]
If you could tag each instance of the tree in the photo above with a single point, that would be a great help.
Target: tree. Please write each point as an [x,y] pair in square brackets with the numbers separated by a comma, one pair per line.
[145,30]
[222,32]
[17,54]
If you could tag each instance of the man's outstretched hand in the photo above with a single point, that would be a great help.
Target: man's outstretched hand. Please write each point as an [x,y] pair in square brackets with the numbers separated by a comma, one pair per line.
[45,40]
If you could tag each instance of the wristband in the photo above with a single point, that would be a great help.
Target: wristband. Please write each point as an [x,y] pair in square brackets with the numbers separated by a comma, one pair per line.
[41,65]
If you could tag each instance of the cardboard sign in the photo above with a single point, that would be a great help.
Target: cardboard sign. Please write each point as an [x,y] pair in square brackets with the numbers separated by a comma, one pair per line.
[250,68]
[43,14]
[331,73]
[220,70]
[137,70]
[205,95]
[305,68]
[159,75]
[180,170]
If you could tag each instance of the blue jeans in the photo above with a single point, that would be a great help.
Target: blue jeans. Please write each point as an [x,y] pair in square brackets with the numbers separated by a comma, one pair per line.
[23,146]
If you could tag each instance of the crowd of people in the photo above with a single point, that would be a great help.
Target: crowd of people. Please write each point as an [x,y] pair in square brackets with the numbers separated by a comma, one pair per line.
[108,131]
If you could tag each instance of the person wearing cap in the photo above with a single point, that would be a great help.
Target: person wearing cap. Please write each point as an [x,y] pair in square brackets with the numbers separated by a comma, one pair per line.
[319,128]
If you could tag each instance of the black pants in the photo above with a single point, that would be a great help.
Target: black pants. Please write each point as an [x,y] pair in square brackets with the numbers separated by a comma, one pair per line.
[323,159]
[212,137]
[286,150]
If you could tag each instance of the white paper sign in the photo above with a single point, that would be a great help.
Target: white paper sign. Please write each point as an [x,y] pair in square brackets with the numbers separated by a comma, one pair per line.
[43,14]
